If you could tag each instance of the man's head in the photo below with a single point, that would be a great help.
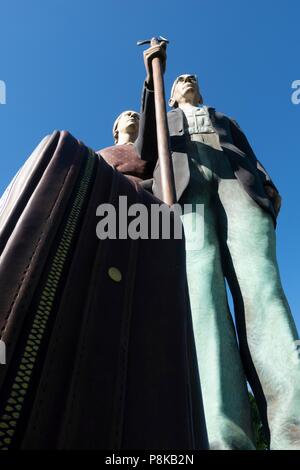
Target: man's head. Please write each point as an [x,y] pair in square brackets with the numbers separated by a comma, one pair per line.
[127,123]
[185,89]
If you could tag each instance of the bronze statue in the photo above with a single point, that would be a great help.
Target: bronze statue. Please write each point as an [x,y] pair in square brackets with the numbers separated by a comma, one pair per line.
[214,165]
[124,155]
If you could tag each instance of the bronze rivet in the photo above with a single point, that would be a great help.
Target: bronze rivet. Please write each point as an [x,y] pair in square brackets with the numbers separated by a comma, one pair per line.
[115,274]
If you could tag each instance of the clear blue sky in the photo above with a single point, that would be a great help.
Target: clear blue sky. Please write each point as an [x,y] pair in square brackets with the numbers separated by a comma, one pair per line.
[74,64]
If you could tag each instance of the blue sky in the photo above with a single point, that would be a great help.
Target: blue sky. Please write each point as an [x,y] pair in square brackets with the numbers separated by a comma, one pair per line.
[74,65]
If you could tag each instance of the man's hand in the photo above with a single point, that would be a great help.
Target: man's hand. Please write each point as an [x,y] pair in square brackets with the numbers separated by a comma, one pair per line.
[275,197]
[159,51]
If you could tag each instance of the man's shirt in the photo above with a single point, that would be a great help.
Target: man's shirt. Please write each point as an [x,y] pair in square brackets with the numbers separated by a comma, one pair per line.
[199,127]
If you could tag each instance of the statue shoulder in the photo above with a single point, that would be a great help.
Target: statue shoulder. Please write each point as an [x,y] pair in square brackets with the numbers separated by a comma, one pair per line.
[230,120]
[219,114]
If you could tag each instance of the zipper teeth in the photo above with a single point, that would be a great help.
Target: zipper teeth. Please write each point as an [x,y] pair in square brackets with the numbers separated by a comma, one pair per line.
[14,403]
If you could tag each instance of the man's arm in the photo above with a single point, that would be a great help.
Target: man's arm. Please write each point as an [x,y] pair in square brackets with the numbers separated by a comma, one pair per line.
[241,141]
[146,143]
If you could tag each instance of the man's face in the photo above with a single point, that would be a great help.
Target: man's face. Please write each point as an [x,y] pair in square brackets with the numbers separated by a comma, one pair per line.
[186,89]
[129,122]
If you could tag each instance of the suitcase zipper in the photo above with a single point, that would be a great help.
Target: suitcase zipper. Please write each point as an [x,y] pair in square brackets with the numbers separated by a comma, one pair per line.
[18,390]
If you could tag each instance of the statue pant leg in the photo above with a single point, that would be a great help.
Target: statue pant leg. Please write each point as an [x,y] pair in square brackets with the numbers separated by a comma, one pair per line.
[223,383]
[267,332]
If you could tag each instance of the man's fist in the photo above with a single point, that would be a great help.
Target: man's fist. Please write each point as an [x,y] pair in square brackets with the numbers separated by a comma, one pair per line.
[159,51]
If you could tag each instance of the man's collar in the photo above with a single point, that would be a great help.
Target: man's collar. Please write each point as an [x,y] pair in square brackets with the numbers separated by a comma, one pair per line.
[176,110]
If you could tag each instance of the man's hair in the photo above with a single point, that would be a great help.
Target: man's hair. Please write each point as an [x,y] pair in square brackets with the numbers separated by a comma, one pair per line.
[172,102]
[115,131]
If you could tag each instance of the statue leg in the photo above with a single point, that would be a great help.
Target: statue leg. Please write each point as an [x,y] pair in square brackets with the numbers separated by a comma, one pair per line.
[222,377]
[267,333]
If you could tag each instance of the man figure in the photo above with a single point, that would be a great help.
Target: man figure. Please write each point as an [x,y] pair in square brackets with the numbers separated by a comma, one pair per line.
[214,165]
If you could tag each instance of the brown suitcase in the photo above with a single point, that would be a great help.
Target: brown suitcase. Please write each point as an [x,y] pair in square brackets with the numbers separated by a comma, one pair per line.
[98,333]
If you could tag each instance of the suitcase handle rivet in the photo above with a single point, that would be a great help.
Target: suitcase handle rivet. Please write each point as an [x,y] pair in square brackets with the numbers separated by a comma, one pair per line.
[115,274]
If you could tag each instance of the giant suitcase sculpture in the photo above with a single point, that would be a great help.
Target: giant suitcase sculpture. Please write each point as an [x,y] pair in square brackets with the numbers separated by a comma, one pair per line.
[99,342]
